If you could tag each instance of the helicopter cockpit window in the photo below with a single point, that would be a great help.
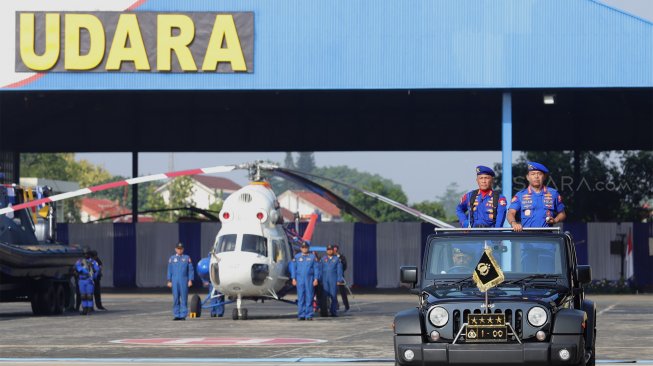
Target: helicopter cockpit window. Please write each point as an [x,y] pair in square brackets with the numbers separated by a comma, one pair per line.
[255,244]
[226,243]
[279,254]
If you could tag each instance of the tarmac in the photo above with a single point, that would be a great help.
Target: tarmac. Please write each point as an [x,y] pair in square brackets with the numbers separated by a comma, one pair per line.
[138,329]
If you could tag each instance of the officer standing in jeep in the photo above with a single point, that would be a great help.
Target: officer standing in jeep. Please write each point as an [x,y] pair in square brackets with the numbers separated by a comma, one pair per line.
[538,205]
[482,207]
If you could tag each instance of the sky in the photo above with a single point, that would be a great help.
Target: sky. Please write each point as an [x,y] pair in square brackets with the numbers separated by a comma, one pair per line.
[422,175]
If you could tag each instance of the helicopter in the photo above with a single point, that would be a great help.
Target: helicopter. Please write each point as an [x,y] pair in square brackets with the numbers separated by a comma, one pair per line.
[252,250]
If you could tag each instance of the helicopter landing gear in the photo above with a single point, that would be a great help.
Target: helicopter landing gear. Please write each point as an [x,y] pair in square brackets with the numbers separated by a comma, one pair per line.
[239,313]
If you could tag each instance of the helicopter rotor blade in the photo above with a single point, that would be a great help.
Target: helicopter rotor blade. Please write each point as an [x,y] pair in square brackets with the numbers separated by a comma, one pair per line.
[121,183]
[297,175]
[321,191]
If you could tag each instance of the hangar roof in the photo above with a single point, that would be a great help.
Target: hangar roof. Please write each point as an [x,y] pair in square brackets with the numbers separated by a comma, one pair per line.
[390,44]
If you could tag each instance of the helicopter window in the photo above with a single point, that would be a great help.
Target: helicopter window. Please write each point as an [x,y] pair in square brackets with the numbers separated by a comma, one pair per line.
[226,243]
[279,254]
[255,244]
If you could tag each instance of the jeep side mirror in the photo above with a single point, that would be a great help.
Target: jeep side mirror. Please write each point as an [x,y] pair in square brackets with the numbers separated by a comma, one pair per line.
[584,274]
[408,274]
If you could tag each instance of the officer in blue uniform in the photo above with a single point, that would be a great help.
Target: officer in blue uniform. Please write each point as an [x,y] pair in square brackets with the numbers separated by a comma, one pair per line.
[539,206]
[305,271]
[180,274]
[482,207]
[87,270]
[331,273]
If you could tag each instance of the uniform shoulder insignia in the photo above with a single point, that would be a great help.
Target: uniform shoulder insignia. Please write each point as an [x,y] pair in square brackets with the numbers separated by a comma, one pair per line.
[170,260]
[514,199]
[463,198]
[502,201]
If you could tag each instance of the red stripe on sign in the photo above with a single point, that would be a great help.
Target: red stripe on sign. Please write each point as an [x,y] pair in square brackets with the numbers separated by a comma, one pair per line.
[26,81]
[184,172]
[102,187]
[136,4]
[30,204]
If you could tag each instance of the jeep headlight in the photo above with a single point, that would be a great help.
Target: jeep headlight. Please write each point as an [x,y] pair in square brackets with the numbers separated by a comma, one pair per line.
[537,316]
[438,316]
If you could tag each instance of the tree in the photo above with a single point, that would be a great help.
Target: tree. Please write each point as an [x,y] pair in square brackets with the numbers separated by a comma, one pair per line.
[636,183]
[181,194]
[431,208]
[593,185]
[289,162]
[449,200]
[155,202]
[376,209]
[306,162]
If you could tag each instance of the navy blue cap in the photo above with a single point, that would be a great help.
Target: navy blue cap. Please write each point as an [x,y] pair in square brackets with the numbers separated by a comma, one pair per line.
[329,247]
[484,170]
[537,166]
[180,245]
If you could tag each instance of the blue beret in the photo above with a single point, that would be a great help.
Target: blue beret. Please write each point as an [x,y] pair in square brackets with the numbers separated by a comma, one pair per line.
[537,166]
[484,170]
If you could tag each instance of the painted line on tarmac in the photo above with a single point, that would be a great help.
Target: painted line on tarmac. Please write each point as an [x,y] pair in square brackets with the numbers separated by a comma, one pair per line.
[607,309]
[195,360]
[237,360]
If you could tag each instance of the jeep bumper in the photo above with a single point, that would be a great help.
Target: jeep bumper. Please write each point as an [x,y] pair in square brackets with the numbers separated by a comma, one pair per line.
[484,354]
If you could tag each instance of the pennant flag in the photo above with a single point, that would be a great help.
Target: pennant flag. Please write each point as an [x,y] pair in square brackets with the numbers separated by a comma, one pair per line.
[630,268]
[487,273]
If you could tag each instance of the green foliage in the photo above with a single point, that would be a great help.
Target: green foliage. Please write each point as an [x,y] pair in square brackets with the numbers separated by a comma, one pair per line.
[306,162]
[595,186]
[155,202]
[431,208]
[449,200]
[378,210]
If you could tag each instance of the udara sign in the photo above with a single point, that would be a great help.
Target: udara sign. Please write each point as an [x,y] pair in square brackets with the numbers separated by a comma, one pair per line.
[134,42]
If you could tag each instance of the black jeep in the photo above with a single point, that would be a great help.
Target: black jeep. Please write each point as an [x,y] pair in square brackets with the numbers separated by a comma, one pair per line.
[538,315]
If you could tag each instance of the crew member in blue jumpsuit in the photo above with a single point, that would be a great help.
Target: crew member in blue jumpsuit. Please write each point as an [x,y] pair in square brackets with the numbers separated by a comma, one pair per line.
[539,206]
[304,270]
[88,270]
[480,213]
[331,273]
[180,275]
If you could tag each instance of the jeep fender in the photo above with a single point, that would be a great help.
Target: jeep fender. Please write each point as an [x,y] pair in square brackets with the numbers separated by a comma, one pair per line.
[408,322]
[569,321]
[590,309]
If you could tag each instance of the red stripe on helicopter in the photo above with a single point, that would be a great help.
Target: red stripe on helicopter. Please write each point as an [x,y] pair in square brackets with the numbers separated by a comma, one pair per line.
[102,187]
[184,172]
[31,204]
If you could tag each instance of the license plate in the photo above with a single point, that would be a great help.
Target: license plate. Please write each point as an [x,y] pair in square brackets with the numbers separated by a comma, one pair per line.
[486,328]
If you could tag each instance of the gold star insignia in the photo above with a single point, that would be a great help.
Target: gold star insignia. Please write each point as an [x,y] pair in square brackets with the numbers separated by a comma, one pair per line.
[474,320]
[489,320]
[482,321]
[498,319]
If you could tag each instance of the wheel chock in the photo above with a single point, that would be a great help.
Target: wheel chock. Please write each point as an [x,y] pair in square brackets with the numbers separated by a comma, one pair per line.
[192,315]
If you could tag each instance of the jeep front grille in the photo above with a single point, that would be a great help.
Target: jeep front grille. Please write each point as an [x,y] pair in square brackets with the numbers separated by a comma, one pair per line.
[513,317]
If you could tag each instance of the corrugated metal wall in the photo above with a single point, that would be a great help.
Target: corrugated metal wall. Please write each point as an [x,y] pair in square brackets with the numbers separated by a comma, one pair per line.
[155,243]
[599,234]
[397,244]
[138,255]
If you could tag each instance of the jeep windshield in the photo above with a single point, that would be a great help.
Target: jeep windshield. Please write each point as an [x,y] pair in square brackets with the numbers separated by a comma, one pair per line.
[523,259]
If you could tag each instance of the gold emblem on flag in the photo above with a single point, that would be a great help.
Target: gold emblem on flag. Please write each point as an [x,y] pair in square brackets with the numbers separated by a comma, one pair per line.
[487,272]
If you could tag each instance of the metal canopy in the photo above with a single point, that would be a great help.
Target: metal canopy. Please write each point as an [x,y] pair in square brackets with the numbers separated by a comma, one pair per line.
[428,120]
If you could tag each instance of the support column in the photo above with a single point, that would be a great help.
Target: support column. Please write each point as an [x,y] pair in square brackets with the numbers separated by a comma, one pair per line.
[506,146]
[134,188]
[16,167]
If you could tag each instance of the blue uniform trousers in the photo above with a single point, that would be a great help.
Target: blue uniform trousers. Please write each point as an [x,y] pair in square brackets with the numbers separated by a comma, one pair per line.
[305,292]
[330,287]
[180,298]
[86,289]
